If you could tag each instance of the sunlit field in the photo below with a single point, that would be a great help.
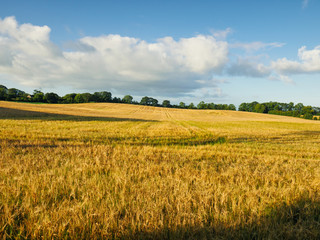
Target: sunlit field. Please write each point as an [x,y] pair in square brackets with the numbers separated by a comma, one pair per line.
[120,171]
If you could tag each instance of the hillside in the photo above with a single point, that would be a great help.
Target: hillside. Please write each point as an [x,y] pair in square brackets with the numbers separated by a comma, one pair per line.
[129,111]
[117,171]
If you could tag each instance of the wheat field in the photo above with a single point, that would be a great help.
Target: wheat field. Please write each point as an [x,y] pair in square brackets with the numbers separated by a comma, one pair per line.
[117,171]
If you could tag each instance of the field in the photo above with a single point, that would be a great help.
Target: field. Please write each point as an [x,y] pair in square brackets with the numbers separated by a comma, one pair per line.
[120,171]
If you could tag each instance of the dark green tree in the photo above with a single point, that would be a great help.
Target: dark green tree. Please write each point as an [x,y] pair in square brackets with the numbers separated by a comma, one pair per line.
[103,96]
[69,98]
[78,98]
[182,105]
[127,99]
[13,94]
[232,107]
[145,101]
[87,97]
[243,107]
[191,106]
[154,102]
[38,96]
[166,103]
[202,105]
[3,92]
[51,97]
[259,108]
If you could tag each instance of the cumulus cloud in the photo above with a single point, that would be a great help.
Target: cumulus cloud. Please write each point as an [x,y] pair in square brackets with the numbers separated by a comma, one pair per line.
[167,66]
[309,62]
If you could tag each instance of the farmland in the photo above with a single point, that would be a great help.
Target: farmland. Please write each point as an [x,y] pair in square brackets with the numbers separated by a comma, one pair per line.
[118,171]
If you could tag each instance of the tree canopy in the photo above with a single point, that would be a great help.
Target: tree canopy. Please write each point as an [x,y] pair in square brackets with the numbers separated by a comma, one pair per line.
[287,109]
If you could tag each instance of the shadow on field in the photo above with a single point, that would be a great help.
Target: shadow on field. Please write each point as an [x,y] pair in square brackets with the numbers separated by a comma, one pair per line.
[306,133]
[298,220]
[169,141]
[18,114]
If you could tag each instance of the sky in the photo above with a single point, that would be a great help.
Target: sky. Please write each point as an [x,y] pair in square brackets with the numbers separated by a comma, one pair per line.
[214,51]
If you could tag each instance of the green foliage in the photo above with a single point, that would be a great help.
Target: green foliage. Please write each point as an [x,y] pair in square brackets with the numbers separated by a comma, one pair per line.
[202,105]
[191,106]
[103,96]
[69,98]
[127,99]
[38,96]
[308,116]
[232,107]
[3,93]
[14,94]
[286,109]
[51,97]
[182,105]
[78,98]
[166,103]
[149,101]
[260,108]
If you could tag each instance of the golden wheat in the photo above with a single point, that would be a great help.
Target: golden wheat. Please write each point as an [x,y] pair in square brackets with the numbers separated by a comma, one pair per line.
[125,172]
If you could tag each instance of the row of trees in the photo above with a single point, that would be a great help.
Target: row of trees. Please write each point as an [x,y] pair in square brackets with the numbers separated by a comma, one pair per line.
[287,109]
[13,94]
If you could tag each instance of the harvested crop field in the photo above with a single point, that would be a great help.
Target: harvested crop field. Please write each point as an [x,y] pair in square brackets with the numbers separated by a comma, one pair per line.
[117,171]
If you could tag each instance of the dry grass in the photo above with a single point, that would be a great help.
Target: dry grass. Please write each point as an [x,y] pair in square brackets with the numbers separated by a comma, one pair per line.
[129,172]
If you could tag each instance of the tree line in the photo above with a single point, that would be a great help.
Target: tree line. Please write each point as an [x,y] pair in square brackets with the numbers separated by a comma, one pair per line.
[13,94]
[287,109]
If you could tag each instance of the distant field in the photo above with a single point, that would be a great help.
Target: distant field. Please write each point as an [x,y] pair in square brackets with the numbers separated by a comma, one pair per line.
[120,171]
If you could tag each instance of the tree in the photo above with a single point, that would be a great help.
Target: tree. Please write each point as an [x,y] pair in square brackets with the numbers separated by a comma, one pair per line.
[202,105]
[78,98]
[3,92]
[166,103]
[13,94]
[87,97]
[149,101]
[4,87]
[211,106]
[69,98]
[298,107]
[191,106]
[127,99]
[51,97]
[145,101]
[154,102]
[308,116]
[38,96]
[103,96]
[259,108]
[232,107]
[243,107]
[116,100]
[182,105]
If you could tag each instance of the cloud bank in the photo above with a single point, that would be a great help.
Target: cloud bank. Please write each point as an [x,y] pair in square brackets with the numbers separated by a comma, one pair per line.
[110,62]
[166,67]
[309,62]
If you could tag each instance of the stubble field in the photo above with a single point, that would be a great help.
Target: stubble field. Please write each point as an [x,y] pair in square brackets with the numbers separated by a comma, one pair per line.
[120,171]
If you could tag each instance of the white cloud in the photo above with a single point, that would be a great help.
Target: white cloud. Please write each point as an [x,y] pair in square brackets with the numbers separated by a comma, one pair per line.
[309,62]
[221,34]
[166,66]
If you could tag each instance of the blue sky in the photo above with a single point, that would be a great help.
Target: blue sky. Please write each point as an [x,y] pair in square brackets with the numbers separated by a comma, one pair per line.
[216,51]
